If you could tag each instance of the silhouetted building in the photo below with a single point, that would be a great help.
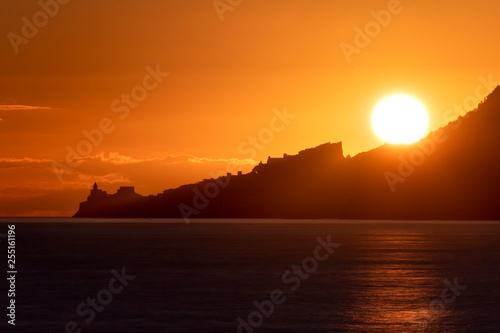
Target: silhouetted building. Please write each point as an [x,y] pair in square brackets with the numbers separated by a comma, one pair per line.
[126,191]
[96,194]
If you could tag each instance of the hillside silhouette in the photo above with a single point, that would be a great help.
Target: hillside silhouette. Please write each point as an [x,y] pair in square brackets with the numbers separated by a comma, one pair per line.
[453,173]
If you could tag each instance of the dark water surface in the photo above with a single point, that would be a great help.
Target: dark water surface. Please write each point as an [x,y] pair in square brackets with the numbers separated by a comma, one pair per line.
[384,276]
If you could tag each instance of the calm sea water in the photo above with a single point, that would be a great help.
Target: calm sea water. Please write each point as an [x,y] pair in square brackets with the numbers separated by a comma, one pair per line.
[200,277]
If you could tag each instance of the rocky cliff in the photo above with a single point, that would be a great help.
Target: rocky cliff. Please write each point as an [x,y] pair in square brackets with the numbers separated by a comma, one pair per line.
[453,173]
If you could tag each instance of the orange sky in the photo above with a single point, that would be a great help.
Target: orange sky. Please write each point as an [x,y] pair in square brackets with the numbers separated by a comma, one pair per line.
[227,81]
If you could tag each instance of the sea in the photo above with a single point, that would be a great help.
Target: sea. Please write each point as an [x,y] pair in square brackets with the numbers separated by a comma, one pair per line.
[265,275]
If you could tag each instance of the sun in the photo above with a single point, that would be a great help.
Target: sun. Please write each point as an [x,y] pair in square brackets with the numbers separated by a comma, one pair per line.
[400,119]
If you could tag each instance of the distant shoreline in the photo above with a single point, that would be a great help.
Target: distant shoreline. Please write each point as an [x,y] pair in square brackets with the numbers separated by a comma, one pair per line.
[70,220]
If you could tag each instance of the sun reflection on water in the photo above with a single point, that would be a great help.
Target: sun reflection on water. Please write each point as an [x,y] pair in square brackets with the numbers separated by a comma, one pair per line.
[395,283]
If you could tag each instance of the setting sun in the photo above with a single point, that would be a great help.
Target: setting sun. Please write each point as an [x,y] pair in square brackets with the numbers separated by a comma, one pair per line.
[400,119]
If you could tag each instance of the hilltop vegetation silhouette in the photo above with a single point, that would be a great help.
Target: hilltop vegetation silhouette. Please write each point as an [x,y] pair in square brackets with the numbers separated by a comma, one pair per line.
[453,173]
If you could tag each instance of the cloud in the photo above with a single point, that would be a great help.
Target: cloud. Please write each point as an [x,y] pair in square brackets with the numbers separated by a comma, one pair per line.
[118,159]
[110,178]
[23,159]
[19,107]
[203,160]
[39,174]
[14,162]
